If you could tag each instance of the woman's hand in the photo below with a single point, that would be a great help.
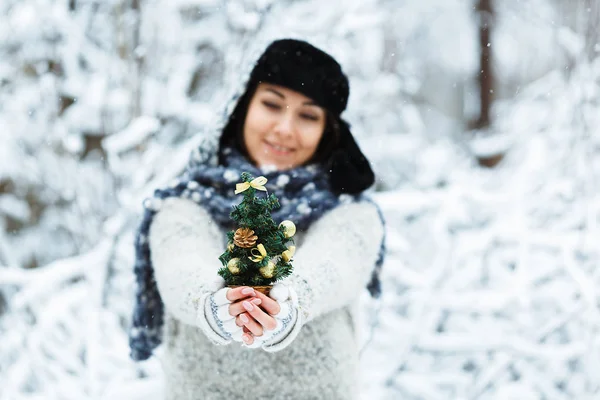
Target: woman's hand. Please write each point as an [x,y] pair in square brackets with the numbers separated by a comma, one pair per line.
[255,320]
[217,318]
[237,297]
[245,315]
[273,325]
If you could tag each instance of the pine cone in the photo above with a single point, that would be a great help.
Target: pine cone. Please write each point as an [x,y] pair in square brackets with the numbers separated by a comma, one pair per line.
[244,238]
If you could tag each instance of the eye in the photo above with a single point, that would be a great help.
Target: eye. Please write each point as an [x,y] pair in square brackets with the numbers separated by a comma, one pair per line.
[272,106]
[310,117]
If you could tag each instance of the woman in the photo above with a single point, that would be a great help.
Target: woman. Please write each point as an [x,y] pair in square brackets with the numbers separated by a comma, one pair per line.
[299,343]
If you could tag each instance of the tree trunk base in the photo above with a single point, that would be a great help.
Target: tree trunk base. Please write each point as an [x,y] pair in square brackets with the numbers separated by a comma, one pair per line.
[263,289]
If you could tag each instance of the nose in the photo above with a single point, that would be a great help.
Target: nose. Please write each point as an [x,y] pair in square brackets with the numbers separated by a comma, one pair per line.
[285,125]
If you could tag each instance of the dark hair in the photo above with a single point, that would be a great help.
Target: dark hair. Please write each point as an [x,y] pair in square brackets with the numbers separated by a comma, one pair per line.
[233,132]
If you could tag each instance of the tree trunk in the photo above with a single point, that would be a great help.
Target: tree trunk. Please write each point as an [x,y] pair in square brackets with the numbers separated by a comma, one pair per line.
[486,74]
[481,125]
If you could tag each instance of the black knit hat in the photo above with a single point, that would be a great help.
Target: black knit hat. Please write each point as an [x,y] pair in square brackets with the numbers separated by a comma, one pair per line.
[299,66]
[302,67]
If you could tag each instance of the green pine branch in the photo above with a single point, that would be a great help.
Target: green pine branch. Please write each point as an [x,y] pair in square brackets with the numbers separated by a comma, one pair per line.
[255,213]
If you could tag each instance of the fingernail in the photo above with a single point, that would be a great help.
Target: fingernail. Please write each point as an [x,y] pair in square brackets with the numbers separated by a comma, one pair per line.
[256,301]
[248,291]
[244,318]
[246,338]
[248,306]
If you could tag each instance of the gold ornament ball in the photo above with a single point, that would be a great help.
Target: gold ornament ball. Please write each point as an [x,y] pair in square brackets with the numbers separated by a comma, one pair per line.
[289,229]
[233,266]
[268,270]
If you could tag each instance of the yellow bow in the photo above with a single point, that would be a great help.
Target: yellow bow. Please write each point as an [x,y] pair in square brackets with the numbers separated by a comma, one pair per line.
[288,254]
[258,257]
[256,183]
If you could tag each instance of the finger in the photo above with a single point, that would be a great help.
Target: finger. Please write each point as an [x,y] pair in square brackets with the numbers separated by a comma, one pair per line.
[250,323]
[268,304]
[240,293]
[247,338]
[242,319]
[237,308]
[259,315]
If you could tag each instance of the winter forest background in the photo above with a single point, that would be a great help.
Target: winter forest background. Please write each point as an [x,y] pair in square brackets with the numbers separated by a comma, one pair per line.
[481,118]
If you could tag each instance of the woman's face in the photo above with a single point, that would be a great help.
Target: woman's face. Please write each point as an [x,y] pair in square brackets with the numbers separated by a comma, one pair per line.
[282,127]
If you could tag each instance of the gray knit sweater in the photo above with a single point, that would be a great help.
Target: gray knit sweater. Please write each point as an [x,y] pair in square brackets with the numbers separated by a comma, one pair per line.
[333,262]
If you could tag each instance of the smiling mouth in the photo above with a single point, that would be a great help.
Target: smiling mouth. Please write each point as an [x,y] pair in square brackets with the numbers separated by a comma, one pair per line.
[277,149]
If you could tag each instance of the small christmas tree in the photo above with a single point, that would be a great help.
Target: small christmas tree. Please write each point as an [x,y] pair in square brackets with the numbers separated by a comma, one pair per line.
[259,251]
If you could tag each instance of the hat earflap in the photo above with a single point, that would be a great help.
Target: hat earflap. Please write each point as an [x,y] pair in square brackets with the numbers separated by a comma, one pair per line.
[350,171]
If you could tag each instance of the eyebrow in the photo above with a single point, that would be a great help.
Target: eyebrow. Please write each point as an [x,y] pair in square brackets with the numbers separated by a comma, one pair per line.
[306,103]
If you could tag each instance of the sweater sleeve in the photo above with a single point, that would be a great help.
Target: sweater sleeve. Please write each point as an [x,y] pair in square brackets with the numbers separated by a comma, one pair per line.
[185,244]
[334,263]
